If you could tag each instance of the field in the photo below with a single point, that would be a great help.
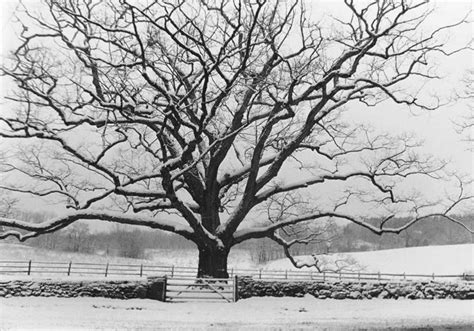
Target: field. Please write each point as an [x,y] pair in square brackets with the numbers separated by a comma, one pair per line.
[251,314]
[449,259]
[307,313]
[166,257]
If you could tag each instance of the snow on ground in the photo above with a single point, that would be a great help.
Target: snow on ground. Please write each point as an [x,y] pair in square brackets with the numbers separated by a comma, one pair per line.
[448,259]
[305,313]
[20,252]
[286,313]
[238,258]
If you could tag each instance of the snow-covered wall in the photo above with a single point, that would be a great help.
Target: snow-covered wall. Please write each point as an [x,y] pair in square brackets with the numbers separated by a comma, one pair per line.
[249,287]
[108,289]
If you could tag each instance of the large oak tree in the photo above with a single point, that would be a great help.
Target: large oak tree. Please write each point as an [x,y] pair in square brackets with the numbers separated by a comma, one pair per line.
[221,121]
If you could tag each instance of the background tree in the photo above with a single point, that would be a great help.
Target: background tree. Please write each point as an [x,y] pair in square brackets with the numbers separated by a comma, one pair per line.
[221,121]
[53,241]
[130,243]
[465,125]
[7,205]
[78,238]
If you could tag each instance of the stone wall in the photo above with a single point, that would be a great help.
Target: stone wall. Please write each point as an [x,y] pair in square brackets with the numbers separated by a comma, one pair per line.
[249,287]
[108,289]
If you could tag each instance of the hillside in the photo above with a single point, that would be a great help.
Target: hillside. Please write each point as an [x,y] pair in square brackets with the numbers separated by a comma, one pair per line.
[448,259]
[238,258]
[19,252]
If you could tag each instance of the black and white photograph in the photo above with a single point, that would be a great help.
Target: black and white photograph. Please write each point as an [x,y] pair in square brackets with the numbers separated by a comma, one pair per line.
[237,165]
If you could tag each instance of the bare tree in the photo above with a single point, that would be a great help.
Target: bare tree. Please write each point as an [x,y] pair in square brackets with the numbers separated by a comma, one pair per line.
[465,125]
[7,205]
[129,243]
[221,121]
[53,241]
[78,238]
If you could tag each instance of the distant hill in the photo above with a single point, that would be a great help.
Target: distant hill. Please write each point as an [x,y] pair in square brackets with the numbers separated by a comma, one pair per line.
[446,259]
[433,231]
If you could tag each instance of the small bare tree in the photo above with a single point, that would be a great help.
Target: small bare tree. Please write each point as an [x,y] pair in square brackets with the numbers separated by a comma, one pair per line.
[7,205]
[198,117]
[78,238]
[465,126]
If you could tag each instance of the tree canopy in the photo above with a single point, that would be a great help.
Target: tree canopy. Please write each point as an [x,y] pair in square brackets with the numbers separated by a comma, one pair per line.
[221,121]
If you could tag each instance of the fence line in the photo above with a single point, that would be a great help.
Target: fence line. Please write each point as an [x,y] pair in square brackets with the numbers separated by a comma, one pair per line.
[143,270]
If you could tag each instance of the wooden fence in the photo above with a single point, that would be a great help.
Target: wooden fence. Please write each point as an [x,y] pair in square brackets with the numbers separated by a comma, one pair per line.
[202,289]
[143,270]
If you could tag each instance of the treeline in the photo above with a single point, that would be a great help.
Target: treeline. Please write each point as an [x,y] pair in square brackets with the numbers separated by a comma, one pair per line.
[432,231]
[120,241]
[133,242]
[352,237]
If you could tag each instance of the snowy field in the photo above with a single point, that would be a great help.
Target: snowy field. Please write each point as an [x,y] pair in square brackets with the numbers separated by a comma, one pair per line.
[308,313]
[447,260]
[250,314]
[238,258]
[19,252]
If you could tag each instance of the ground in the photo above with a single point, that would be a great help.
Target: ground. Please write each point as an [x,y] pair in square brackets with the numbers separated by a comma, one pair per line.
[305,313]
[413,260]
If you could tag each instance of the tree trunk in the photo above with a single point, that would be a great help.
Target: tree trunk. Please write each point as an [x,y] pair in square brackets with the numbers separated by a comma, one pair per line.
[213,262]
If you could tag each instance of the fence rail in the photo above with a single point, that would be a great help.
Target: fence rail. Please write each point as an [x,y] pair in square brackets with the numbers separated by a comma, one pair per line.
[71,268]
[188,289]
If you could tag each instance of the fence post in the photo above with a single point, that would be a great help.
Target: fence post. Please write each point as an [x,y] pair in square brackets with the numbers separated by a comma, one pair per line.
[379,275]
[29,267]
[324,276]
[340,275]
[236,289]
[141,270]
[165,284]
[106,269]
[358,276]
[433,276]
[69,268]
[311,275]
[260,274]
[232,272]
[172,270]
[286,274]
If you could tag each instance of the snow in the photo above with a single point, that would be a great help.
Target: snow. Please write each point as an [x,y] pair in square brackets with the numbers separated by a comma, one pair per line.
[285,313]
[442,260]
[19,252]
[74,278]
[305,313]
[238,258]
